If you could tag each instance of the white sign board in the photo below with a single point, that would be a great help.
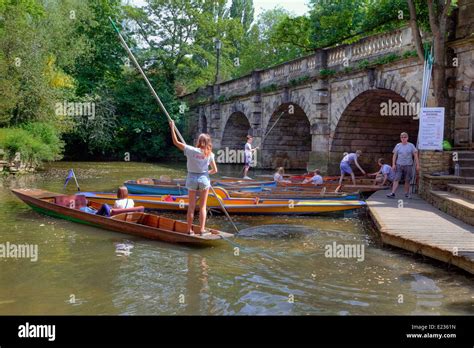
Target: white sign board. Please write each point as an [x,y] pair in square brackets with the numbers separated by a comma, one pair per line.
[431,132]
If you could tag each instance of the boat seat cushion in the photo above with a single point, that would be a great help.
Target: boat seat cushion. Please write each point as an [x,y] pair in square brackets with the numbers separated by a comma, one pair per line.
[72,201]
[127,210]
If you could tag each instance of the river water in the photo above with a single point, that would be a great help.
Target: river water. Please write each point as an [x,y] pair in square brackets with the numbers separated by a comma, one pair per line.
[280,267]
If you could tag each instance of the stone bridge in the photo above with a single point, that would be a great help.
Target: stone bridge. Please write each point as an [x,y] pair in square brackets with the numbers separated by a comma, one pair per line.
[336,100]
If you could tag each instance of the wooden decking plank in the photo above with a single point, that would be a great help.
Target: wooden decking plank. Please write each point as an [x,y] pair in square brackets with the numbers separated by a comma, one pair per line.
[421,227]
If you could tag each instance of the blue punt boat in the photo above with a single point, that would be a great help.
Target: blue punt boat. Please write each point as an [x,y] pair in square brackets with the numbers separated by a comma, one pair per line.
[177,187]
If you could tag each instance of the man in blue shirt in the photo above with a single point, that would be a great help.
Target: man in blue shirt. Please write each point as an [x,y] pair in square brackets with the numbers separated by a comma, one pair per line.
[386,175]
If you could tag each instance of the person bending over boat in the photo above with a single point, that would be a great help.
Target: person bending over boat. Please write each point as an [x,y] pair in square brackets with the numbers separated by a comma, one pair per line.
[345,166]
[199,159]
[385,175]
[278,176]
[317,179]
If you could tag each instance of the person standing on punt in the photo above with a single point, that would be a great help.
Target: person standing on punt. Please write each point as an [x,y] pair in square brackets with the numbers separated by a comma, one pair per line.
[402,163]
[248,154]
[345,166]
[199,159]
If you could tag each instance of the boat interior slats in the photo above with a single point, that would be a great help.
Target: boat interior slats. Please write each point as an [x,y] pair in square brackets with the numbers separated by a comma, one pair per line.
[181,227]
[151,220]
[133,217]
[167,224]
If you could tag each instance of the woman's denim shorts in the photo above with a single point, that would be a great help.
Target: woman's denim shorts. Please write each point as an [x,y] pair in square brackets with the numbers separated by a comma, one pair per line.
[198,181]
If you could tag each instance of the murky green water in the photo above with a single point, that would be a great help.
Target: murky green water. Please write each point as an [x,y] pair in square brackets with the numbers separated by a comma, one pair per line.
[281,268]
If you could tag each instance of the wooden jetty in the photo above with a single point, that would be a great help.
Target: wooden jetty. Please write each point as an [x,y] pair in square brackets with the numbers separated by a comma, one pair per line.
[415,225]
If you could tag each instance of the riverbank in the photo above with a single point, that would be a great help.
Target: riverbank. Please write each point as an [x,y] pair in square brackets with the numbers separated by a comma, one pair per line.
[417,226]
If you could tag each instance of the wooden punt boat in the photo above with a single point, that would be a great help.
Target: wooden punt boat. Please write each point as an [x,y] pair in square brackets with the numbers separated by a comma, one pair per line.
[333,186]
[296,195]
[178,187]
[235,205]
[133,223]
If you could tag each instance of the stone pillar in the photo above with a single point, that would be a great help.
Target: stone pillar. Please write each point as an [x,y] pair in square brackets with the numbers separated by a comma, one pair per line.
[464,75]
[464,93]
[214,126]
[465,25]
[320,130]
[256,115]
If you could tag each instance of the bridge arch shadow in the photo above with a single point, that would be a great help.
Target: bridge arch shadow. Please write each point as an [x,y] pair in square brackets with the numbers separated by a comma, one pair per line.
[203,124]
[286,143]
[364,124]
[235,132]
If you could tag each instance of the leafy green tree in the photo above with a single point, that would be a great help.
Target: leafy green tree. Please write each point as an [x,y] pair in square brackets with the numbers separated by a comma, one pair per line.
[266,43]
[243,11]
[142,129]
[38,43]
[106,56]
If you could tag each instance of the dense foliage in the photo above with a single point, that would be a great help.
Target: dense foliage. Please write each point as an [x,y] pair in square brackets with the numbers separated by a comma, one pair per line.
[56,52]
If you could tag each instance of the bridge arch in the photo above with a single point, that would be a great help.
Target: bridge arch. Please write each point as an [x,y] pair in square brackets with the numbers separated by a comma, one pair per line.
[286,143]
[372,122]
[235,131]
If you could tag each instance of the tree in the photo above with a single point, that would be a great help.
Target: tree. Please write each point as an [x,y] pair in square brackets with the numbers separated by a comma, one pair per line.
[106,56]
[38,43]
[438,17]
[267,44]
[243,11]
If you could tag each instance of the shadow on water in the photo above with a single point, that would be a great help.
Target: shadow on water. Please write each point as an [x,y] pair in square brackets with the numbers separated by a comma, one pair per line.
[275,232]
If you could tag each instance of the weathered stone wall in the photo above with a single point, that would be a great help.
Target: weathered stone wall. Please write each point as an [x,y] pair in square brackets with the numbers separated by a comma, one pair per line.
[465,27]
[464,93]
[288,144]
[463,73]
[435,161]
[363,127]
[235,132]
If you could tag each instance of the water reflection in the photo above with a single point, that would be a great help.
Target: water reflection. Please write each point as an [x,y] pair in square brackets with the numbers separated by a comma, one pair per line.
[85,270]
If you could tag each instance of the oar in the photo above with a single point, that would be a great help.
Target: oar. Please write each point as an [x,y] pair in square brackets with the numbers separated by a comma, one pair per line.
[132,57]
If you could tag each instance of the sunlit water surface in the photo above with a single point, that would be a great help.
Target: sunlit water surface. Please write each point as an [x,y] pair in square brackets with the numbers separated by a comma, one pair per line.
[279,267]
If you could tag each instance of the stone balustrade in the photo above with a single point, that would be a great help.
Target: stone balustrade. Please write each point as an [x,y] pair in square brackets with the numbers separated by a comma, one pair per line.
[335,58]
[369,47]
